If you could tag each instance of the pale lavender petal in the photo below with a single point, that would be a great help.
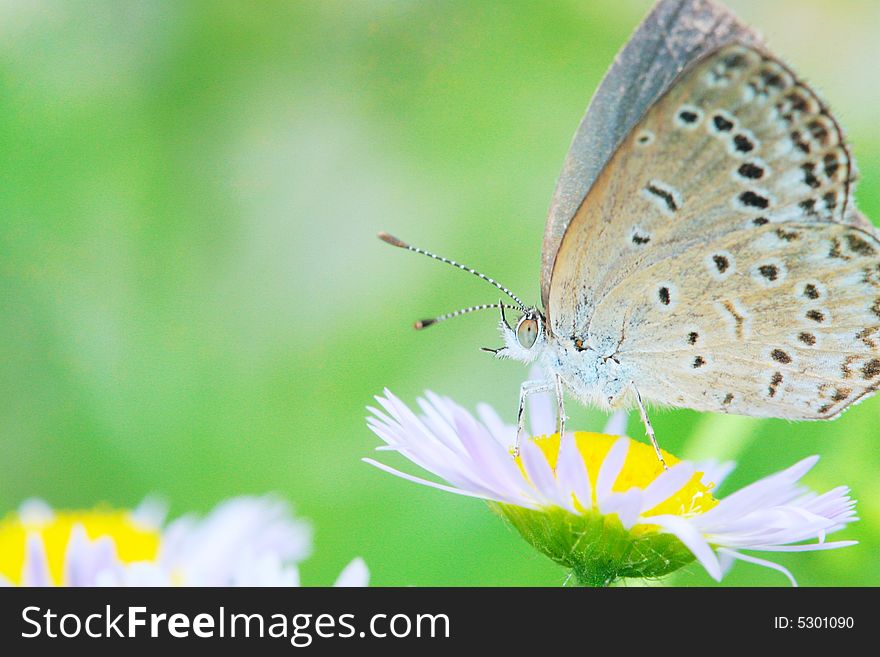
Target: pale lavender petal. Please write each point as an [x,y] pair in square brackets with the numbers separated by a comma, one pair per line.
[84,560]
[772,490]
[76,573]
[503,433]
[726,561]
[412,426]
[627,505]
[174,538]
[35,571]
[616,425]
[485,466]
[539,471]
[836,503]
[714,473]
[433,425]
[536,372]
[610,469]
[440,420]
[666,484]
[542,413]
[493,463]
[35,511]
[380,415]
[355,574]
[438,486]
[466,456]
[151,512]
[780,524]
[693,541]
[808,547]
[208,550]
[496,467]
[571,473]
[760,562]
[422,448]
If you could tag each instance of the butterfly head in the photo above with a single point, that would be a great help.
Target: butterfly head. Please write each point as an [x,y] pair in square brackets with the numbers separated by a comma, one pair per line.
[523,341]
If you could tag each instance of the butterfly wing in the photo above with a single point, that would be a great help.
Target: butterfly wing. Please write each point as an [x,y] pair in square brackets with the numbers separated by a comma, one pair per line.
[675,33]
[718,255]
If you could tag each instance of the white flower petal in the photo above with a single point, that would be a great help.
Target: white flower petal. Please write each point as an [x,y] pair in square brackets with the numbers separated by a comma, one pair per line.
[494,463]
[714,473]
[692,539]
[760,562]
[667,484]
[610,470]
[503,433]
[807,547]
[571,471]
[443,455]
[35,512]
[542,412]
[36,566]
[433,484]
[627,505]
[355,574]
[776,489]
[151,512]
[539,472]
[616,425]
[84,560]
[726,561]
[208,550]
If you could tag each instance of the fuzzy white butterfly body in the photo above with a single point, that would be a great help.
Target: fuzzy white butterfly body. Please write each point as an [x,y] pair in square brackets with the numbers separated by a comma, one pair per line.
[591,377]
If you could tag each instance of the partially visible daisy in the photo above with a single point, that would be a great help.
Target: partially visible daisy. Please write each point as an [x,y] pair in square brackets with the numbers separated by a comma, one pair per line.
[244,541]
[601,504]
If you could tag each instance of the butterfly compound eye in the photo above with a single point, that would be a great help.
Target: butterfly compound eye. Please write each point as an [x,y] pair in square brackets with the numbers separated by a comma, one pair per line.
[527,332]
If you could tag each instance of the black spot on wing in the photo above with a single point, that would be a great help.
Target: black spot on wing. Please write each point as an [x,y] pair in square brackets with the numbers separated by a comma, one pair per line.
[722,124]
[770,272]
[780,356]
[750,171]
[753,199]
[663,194]
[807,338]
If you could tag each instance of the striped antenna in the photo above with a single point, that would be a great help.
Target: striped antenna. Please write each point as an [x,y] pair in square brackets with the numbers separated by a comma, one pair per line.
[393,241]
[425,323]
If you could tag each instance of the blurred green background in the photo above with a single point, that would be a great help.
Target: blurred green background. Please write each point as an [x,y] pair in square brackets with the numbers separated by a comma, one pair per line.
[194,302]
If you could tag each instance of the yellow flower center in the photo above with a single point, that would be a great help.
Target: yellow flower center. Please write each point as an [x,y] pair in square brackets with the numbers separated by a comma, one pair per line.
[133,541]
[640,468]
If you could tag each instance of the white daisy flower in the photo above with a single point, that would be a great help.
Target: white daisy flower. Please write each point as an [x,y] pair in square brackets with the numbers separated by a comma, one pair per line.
[244,541]
[601,504]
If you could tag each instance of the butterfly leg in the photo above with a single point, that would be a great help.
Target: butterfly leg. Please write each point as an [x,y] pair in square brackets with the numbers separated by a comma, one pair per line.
[648,428]
[560,406]
[527,388]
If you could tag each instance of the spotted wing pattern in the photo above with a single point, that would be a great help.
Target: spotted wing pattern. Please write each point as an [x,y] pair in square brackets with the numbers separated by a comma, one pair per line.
[719,257]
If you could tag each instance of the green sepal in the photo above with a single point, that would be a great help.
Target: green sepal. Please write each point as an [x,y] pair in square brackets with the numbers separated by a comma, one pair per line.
[597,548]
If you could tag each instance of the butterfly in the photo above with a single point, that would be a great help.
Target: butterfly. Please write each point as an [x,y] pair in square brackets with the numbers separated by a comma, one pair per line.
[703,249]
